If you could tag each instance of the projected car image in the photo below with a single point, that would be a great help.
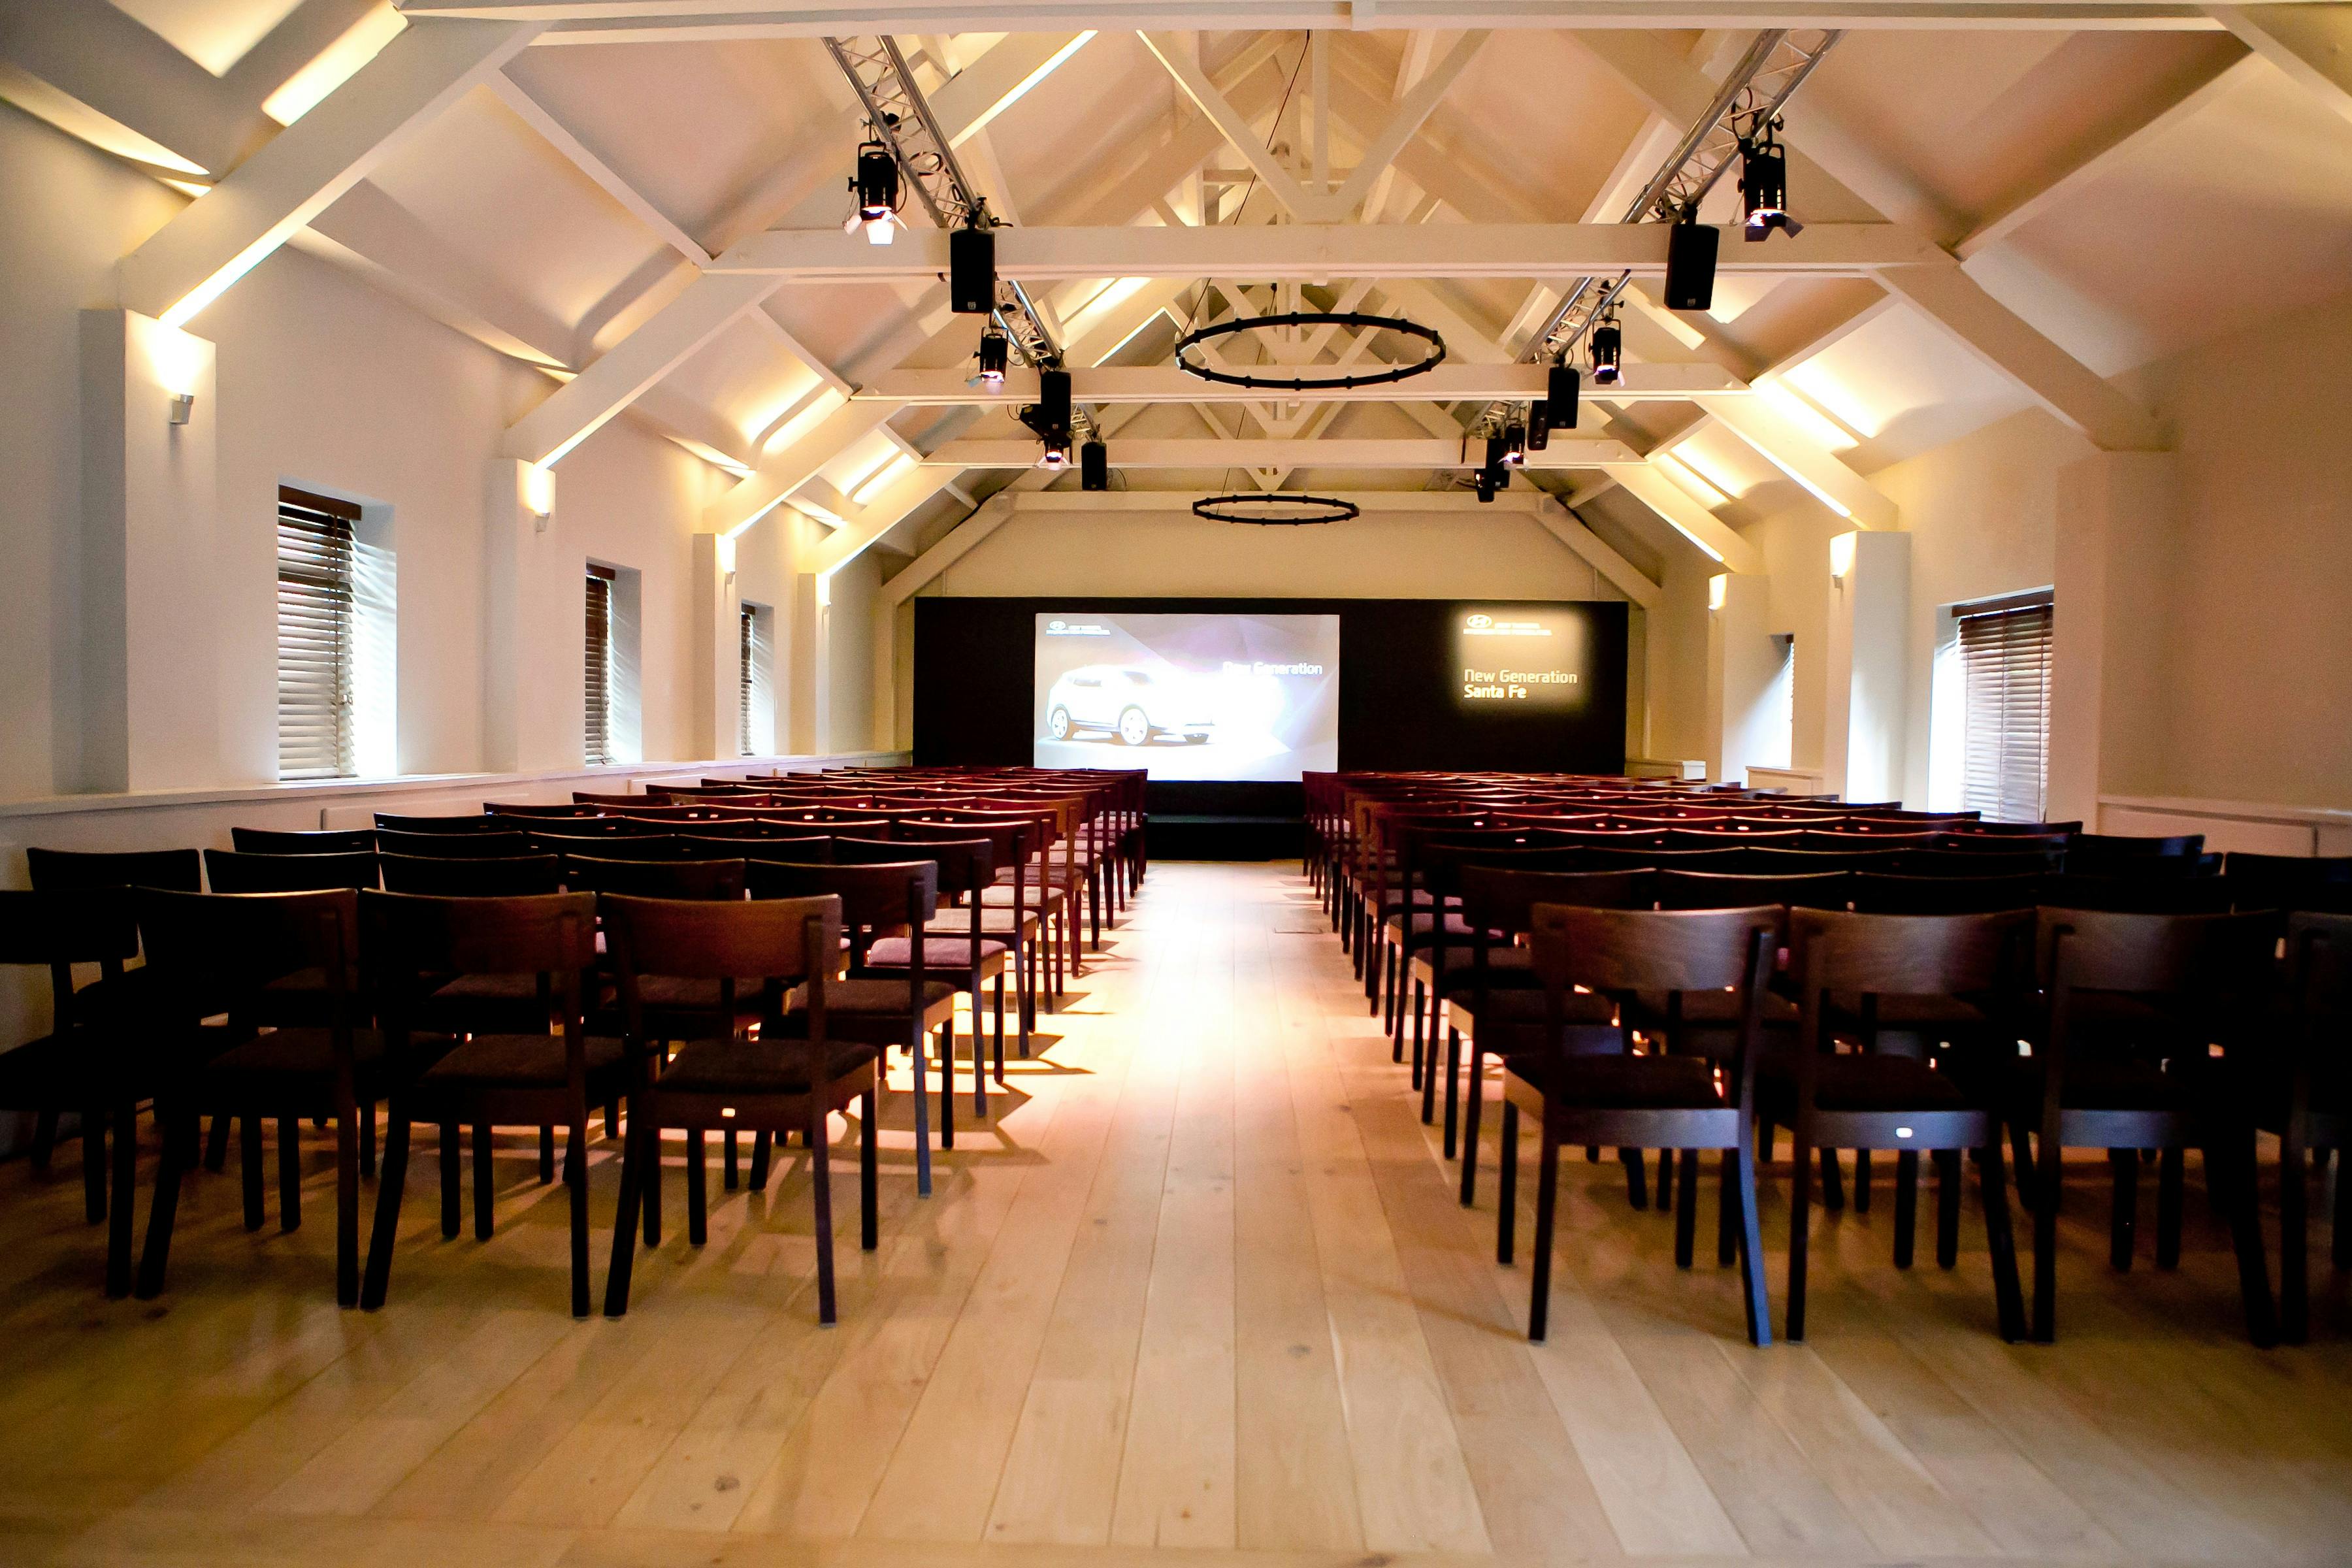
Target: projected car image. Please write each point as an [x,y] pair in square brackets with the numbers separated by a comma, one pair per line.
[1128,703]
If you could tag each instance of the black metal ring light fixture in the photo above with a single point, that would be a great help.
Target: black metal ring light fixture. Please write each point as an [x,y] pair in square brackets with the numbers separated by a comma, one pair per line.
[1237,508]
[1435,357]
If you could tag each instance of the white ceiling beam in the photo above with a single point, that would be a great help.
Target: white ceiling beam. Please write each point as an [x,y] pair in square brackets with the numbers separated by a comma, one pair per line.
[785,470]
[878,517]
[2061,384]
[1568,528]
[1316,251]
[99,57]
[2202,82]
[962,539]
[1234,127]
[1787,446]
[1456,380]
[213,242]
[580,157]
[1405,123]
[1678,509]
[2311,43]
[1515,499]
[1564,452]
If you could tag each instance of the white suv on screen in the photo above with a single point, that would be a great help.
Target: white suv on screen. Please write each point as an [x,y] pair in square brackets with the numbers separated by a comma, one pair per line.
[1133,704]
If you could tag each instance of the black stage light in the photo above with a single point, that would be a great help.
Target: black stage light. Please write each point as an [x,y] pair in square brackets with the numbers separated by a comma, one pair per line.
[876,185]
[1486,485]
[1094,467]
[1764,184]
[995,353]
[1515,445]
[1690,264]
[1562,396]
[1539,426]
[1050,416]
[1498,450]
[1607,352]
[971,271]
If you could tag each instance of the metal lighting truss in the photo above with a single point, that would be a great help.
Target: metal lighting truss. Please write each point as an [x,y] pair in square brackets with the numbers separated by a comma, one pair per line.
[901,119]
[1756,91]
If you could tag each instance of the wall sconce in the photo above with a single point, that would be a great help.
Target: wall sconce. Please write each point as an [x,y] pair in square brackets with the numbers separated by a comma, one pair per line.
[1718,588]
[727,554]
[1842,555]
[539,495]
[183,406]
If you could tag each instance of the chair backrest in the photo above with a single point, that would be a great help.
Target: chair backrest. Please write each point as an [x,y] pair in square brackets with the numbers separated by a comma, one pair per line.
[302,841]
[1974,843]
[229,872]
[460,822]
[538,808]
[58,931]
[2108,854]
[697,879]
[1976,862]
[511,877]
[2320,883]
[2140,895]
[209,950]
[71,870]
[800,849]
[1903,955]
[1653,950]
[2003,829]
[480,845]
[408,937]
[782,940]
[606,847]
[2319,970]
[2097,950]
[1505,900]
[1878,894]
[1736,890]
[870,898]
[965,865]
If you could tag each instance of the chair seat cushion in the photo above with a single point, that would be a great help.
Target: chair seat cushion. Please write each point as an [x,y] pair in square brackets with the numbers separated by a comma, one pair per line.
[872,998]
[519,1061]
[940,952]
[1620,1083]
[68,1071]
[1708,1010]
[484,1001]
[304,1057]
[994,922]
[751,1067]
[2097,1083]
[1863,1080]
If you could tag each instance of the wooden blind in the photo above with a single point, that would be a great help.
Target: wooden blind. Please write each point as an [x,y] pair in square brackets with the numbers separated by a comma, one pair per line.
[2005,661]
[756,660]
[599,734]
[314,635]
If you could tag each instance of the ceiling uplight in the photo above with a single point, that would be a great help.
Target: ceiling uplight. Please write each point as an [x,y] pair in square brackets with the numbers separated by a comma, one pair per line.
[1719,590]
[1842,555]
[334,65]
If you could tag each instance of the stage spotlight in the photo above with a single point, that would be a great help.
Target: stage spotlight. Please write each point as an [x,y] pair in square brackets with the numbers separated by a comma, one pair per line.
[1561,397]
[1764,184]
[876,185]
[1052,416]
[1539,426]
[1486,482]
[1690,264]
[995,353]
[1507,448]
[971,271]
[1094,467]
[1607,352]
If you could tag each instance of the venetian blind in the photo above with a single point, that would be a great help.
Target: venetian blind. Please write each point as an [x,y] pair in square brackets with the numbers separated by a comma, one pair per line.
[314,635]
[2005,662]
[599,731]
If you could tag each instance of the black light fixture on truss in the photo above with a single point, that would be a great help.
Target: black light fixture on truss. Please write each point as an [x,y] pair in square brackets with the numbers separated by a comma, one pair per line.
[995,353]
[1764,183]
[1294,382]
[1563,391]
[1051,416]
[878,192]
[1608,351]
[1276,509]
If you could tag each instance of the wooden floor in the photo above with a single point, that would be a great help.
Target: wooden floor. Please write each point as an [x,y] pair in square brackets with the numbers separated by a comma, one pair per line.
[1201,1284]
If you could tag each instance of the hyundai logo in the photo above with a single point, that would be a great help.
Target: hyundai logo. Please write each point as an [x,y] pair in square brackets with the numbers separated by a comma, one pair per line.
[1479,623]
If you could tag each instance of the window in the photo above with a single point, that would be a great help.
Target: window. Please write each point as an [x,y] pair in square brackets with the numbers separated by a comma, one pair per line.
[599,731]
[1776,737]
[2005,670]
[315,543]
[756,706]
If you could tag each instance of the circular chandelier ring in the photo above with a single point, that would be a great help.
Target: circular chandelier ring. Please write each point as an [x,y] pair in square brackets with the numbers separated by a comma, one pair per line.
[1234,508]
[1354,318]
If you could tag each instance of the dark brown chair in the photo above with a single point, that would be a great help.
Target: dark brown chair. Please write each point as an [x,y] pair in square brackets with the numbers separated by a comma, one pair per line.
[970,959]
[457,822]
[2302,1091]
[205,945]
[1876,894]
[1020,920]
[480,845]
[90,1062]
[2321,884]
[1847,966]
[230,872]
[302,841]
[1583,1087]
[654,878]
[2134,1002]
[486,1079]
[607,845]
[772,1084]
[796,849]
[505,876]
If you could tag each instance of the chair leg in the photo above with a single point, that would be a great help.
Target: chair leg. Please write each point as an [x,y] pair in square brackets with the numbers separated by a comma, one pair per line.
[2021,1150]
[1396,1036]
[1453,1090]
[1686,1216]
[633,1174]
[1507,1184]
[155,1255]
[1833,1185]
[1637,1177]
[1752,1294]
[546,1156]
[125,1158]
[763,1143]
[1727,1212]
[1663,1199]
[947,1084]
[652,1186]
[998,1059]
[922,1120]
[2295,1242]
[2046,1197]
[44,1138]
[215,1143]
[733,1161]
[248,1161]
[575,1179]
[449,1181]
[2169,1164]
[2123,1214]
[697,1190]
[289,1173]
[2232,1166]
[485,1183]
[93,1163]
[1800,1220]
[347,1206]
[1948,1208]
[1474,1102]
[387,1204]
[1547,1215]
[1906,1201]
[2009,1304]
[821,1193]
[367,1139]
[1862,1181]
[870,1169]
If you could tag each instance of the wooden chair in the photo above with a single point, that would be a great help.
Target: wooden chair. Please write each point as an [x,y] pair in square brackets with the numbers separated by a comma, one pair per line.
[1584,1087]
[88,1063]
[1846,966]
[288,1066]
[482,844]
[457,822]
[2140,895]
[1876,893]
[228,871]
[771,1084]
[2112,854]
[504,877]
[486,1079]
[719,880]
[969,960]
[2321,884]
[2133,1003]
[607,845]
[1019,917]
[278,841]
[2301,1091]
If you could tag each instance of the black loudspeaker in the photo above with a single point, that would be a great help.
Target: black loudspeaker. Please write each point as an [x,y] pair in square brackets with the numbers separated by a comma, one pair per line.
[1561,397]
[1054,397]
[1094,467]
[1690,265]
[971,271]
[1539,426]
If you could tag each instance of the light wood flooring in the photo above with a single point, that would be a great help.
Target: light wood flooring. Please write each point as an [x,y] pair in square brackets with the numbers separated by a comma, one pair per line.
[1200,1292]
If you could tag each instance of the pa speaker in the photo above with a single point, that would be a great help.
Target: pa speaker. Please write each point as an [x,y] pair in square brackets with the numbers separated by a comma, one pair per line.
[971,271]
[1054,397]
[1539,426]
[1690,265]
[1094,467]
[1560,396]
